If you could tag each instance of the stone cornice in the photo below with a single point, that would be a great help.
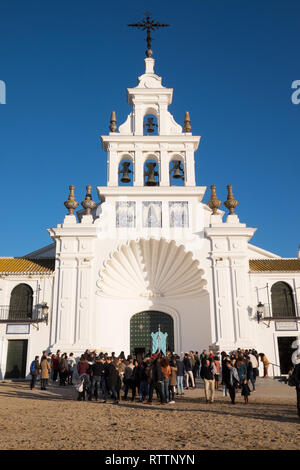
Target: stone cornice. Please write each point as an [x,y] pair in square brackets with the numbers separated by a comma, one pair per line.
[117,138]
[149,94]
[76,230]
[157,191]
[225,230]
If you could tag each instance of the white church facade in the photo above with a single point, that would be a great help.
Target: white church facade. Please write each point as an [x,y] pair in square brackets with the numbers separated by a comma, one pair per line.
[150,253]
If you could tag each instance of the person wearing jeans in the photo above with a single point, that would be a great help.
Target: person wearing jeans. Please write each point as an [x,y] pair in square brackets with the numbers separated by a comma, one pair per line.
[144,390]
[96,371]
[188,371]
[250,373]
[34,371]
[95,386]
[180,375]
[166,371]
[231,380]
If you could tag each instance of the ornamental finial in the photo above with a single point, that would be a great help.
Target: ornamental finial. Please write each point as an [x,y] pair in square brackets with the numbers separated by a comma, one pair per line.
[70,203]
[88,204]
[230,203]
[187,122]
[113,122]
[213,203]
[148,24]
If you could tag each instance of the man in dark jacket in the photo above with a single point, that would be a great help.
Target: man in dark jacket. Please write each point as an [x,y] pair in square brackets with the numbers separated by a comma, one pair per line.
[188,369]
[231,380]
[203,358]
[208,372]
[197,365]
[180,375]
[111,379]
[96,371]
[128,378]
[34,371]
[156,379]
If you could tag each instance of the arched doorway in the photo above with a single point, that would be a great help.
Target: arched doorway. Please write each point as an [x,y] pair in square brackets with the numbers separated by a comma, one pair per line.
[143,324]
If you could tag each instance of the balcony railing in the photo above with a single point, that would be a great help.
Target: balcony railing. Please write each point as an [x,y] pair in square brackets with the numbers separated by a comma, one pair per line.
[286,314]
[11,315]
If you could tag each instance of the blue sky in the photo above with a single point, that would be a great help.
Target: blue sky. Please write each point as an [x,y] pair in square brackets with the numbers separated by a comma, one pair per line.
[67,64]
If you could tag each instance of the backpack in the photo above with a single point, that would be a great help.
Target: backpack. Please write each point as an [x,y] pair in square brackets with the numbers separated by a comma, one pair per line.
[32,367]
[292,378]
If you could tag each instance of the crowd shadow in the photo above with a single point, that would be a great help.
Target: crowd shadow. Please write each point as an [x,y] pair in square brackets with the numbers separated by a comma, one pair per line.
[279,416]
[274,412]
[53,392]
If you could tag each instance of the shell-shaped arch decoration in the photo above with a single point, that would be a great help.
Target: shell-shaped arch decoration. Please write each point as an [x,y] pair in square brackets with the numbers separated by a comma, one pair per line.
[151,268]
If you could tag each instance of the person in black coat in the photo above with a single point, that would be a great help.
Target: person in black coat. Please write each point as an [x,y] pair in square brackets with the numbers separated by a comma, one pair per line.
[112,379]
[203,358]
[155,379]
[245,390]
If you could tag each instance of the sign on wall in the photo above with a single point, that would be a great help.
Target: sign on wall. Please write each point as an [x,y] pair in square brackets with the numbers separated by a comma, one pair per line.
[286,326]
[16,329]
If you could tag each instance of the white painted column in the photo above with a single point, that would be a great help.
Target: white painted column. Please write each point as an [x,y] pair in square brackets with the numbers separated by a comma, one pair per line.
[164,166]
[189,165]
[113,167]
[163,121]
[73,291]
[230,261]
[138,119]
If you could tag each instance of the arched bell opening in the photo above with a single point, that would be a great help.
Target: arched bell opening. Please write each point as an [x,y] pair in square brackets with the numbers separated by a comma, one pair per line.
[126,172]
[150,124]
[176,172]
[151,172]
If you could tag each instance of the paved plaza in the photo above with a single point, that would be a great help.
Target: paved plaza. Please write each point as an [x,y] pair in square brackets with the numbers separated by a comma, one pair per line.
[54,419]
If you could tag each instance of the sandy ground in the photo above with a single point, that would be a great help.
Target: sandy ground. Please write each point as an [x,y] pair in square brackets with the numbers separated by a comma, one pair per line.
[54,419]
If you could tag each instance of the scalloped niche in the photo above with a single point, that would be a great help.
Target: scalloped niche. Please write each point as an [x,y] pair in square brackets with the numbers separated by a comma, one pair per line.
[151,268]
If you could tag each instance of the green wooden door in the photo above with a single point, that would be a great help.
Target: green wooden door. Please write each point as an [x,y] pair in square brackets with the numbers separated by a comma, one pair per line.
[143,324]
[16,359]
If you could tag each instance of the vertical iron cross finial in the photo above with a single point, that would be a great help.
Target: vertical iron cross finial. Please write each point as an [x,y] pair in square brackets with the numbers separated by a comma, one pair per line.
[149,25]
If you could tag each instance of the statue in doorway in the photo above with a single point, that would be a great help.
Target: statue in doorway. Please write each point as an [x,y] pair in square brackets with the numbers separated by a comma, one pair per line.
[159,341]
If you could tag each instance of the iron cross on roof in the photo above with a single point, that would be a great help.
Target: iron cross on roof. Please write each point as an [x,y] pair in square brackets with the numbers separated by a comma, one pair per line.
[149,25]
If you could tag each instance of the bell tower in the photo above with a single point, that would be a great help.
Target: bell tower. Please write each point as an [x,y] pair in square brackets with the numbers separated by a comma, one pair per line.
[150,154]
[135,154]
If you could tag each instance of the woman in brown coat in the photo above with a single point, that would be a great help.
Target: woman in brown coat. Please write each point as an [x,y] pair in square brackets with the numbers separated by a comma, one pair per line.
[45,367]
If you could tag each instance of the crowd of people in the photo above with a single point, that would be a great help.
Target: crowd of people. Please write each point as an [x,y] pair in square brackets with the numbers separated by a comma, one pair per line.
[107,376]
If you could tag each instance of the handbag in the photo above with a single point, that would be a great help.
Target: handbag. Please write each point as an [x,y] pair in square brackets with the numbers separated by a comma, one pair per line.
[292,379]
[79,387]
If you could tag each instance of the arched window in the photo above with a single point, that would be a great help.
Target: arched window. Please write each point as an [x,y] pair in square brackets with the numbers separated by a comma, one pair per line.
[21,301]
[176,171]
[151,173]
[282,300]
[126,172]
[150,125]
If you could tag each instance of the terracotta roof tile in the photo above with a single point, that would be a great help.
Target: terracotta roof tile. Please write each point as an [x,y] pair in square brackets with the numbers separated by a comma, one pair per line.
[28,266]
[286,264]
